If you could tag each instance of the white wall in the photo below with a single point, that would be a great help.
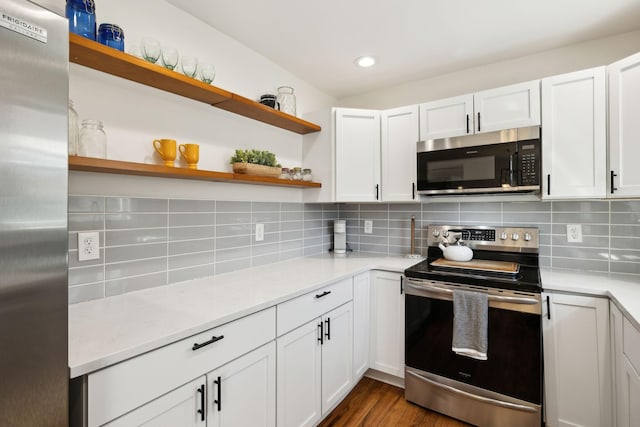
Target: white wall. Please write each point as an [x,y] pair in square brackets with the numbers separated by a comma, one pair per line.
[134,115]
[552,62]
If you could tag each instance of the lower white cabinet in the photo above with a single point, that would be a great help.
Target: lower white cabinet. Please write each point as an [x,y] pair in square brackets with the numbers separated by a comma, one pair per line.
[184,406]
[361,322]
[243,392]
[577,361]
[387,326]
[626,365]
[314,367]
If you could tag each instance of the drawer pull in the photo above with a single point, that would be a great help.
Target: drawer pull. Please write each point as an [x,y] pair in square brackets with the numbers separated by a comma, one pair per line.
[211,341]
[324,294]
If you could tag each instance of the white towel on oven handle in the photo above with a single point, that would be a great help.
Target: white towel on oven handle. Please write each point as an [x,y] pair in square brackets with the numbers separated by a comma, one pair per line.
[470,324]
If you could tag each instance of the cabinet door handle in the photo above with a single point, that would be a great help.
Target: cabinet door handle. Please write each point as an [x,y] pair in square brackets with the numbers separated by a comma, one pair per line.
[324,294]
[548,308]
[613,175]
[218,401]
[467,123]
[213,339]
[401,285]
[203,403]
[478,121]
[377,190]
[328,333]
[413,190]
[549,184]
[321,339]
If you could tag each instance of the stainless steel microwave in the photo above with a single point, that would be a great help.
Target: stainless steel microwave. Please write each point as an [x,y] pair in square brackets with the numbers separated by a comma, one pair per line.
[495,162]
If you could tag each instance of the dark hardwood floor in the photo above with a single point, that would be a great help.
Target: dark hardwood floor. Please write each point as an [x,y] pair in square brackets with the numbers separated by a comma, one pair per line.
[375,404]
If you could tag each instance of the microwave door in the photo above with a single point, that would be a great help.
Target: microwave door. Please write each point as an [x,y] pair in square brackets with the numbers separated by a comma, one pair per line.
[471,169]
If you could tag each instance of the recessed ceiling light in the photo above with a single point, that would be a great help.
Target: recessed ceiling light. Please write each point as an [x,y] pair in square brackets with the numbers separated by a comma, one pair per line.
[365,61]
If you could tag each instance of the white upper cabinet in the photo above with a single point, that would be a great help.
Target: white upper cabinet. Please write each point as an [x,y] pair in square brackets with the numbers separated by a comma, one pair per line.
[574,139]
[491,110]
[446,118]
[357,144]
[507,107]
[624,127]
[399,139]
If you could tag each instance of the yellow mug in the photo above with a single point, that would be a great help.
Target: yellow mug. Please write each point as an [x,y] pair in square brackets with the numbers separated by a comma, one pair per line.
[167,150]
[191,154]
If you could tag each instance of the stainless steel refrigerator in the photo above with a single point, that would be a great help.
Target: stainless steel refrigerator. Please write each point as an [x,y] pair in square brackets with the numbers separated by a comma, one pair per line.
[34,52]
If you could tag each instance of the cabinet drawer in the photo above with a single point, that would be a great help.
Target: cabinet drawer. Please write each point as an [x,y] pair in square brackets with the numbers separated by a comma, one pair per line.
[302,309]
[631,344]
[120,388]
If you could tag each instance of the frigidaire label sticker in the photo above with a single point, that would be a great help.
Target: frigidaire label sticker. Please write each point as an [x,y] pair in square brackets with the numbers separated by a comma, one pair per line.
[23,27]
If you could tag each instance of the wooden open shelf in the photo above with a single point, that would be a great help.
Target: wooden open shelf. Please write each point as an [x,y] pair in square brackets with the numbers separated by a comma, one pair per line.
[102,58]
[90,164]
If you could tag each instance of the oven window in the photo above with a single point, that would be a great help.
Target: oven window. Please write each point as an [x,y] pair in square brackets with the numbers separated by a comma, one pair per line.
[460,170]
[514,356]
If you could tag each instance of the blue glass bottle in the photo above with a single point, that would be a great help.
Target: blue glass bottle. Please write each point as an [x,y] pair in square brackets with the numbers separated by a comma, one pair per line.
[111,35]
[82,17]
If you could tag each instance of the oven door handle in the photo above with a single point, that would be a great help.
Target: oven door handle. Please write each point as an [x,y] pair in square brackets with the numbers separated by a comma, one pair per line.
[438,291]
[472,396]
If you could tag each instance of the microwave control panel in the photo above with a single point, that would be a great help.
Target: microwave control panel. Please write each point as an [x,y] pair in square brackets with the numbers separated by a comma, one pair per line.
[529,162]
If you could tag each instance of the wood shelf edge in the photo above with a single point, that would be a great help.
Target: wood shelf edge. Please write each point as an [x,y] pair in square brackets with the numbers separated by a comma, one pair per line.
[94,55]
[117,167]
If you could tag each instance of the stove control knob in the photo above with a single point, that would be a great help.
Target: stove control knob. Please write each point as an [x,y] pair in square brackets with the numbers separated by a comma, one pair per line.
[445,234]
[515,236]
[527,237]
[436,233]
[503,236]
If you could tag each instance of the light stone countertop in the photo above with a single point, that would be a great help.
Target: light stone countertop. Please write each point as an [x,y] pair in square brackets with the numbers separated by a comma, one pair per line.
[107,331]
[623,290]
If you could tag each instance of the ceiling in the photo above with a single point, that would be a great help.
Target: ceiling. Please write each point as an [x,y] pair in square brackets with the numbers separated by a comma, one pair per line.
[318,41]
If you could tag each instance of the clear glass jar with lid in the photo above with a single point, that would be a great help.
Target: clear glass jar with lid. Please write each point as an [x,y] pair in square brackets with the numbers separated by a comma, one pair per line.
[287,100]
[297,174]
[306,175]
[285,174]
[73,130]
[93,140]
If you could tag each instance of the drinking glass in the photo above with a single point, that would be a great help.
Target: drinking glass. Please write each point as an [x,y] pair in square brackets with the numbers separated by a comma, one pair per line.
[189,65]
[169,57]
[207,73]
[150,49]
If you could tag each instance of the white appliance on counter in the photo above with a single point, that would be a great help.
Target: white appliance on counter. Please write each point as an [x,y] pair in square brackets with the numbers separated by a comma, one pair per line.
[339,236]
[34,373]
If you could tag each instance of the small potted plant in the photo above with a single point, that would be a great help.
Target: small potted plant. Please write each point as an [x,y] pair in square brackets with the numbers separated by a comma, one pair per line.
[256,162]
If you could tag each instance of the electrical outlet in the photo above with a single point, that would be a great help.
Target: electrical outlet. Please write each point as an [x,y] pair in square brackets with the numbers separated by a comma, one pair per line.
[574,233]
[368,226]
[259,232]
[88,246]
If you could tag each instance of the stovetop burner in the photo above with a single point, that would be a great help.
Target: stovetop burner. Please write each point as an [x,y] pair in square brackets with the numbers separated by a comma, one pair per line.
[488,243]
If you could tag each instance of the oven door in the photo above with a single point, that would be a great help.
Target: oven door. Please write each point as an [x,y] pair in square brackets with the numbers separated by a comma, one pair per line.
[481,169]
[514,355]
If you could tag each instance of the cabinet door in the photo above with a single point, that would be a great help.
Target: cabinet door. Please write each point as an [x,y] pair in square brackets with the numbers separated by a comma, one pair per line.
[361,330]
[574,135]
[183,406]
[247,382]
[507,107]
[357,142]
[577,361]
[399,139]
[446,118]
[337,359]
[299,376]
[624,126]
[387,325]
